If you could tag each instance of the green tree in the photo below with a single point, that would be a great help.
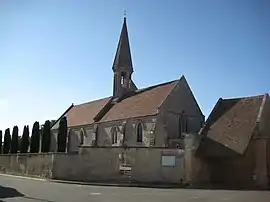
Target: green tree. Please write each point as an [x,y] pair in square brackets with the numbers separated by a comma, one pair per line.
[62,135]
[46,137]
[1,136]
[25,140]
[7,141]
[34,146]
[14,140]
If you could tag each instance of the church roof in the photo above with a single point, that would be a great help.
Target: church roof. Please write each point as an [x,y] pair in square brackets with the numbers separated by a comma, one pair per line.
[83,114]
[232,122]
[123,55]
[143,102]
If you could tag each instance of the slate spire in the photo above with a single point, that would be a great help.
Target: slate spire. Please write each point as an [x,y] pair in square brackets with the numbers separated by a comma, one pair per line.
[122,60]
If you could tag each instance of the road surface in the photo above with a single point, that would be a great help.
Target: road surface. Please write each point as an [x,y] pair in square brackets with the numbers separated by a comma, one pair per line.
[29,190]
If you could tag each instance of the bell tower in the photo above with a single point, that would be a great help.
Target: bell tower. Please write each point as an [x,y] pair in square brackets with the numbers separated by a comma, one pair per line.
[122,65]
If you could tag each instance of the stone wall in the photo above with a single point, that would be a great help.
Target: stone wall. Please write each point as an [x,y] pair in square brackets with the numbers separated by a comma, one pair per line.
[91,164]
[104,164]
[196,168]
[147,165]
[39,165]
[181,101]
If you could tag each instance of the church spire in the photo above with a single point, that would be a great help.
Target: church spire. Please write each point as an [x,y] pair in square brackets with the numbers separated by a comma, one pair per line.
[122,60]
[122,65]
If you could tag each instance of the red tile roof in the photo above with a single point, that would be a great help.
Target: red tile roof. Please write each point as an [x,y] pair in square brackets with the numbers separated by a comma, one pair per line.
[144,102]
[232,122]
[84,113]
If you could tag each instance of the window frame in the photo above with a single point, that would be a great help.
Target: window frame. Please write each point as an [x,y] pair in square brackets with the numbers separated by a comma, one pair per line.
[114,138]
[139,138]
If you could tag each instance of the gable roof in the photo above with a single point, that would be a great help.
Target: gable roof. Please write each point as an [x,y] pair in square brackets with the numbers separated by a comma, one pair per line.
[232,122]
[83,114]
[143,102]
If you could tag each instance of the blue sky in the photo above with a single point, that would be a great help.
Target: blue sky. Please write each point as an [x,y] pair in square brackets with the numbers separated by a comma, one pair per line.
[54,53]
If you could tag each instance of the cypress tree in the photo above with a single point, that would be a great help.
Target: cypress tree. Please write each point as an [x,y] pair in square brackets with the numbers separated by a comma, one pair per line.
[34,146]
[1,136]
[7,141]
[15,140]
[29,138]
[62,135]
[25,140]
[46,137]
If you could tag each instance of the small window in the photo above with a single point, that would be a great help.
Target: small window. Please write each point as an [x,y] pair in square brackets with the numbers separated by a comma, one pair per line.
[122,78]
[114,136]
[81,137]
[139,132]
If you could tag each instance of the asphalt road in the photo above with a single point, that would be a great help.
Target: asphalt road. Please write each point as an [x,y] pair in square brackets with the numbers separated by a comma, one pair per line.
[29,190]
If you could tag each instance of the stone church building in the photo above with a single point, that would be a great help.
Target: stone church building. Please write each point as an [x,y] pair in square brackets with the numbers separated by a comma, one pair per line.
[156,116]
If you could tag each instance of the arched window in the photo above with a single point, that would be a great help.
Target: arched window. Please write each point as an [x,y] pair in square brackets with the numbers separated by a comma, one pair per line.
[122,78]
[180,130]
[124,131]
[139,132]
[182,125]
[114,135]
[81,137]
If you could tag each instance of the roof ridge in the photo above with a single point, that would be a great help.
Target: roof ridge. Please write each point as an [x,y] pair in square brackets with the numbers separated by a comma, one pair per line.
[246,97]
[155,86]
[137,91]
[65,112]
[93,101]
[261,108]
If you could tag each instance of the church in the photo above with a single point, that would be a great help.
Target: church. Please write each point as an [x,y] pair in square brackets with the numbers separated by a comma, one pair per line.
[156,116]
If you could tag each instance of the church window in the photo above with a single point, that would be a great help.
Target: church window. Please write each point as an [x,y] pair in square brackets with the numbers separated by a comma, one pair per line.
[114,136]
[122,78]
[139,132]
[81,137]
[180,130]
[124,131]
[182,125]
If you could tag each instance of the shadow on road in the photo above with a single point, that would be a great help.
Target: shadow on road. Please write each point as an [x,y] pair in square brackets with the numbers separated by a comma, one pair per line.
[7,192]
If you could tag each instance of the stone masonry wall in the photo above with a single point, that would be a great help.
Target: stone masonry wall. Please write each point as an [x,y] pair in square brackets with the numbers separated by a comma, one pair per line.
[147,165]
[39,165]
[103,164]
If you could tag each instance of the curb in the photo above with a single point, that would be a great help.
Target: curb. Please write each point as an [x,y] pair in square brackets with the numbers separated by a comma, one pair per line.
[23,177]
[122,184]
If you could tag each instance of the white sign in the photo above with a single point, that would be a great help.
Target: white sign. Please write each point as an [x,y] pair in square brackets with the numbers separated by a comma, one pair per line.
[168,160]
